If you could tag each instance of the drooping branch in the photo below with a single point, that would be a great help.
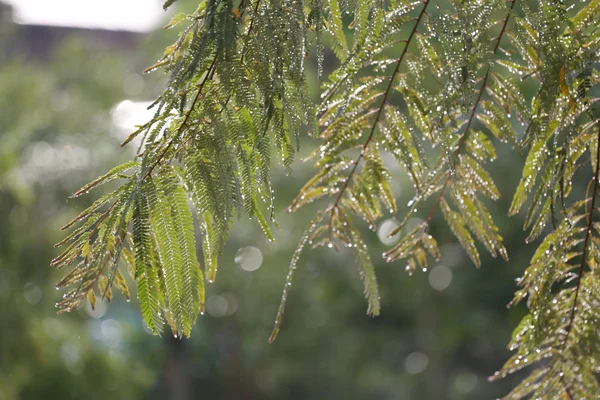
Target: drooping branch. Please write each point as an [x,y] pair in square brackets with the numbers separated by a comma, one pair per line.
[463,138]
[184,123]
[588,235]
[388,90]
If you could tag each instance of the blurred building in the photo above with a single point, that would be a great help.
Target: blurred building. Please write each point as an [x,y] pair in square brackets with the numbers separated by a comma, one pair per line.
[43,25]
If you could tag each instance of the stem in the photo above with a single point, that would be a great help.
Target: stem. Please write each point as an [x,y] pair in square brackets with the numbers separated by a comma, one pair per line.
[250,29]
[185,119]
[567,392]
[464,136]
[246,40]
[437,200]
[588,235]
[209,74]
[379,112]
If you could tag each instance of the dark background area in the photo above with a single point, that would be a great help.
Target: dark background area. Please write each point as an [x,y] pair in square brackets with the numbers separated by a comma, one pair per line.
[68,96]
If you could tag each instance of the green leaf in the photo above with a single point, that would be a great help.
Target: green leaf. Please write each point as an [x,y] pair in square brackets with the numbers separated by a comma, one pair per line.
[168,4]
[146,269]
[535,158]
[91,298]
[312,226]
[474,174]
[586,15]
[183,223]
[166,239]
[120,283]
[103,287]
[263,222]
[111,175]
[457,225]
[340,47]
[177,18]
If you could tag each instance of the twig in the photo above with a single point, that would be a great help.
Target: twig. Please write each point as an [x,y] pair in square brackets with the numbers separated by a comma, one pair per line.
[378,115]
[464,136]
[185,119]
[246,40]
[567,391]
[437,200]
[588,235]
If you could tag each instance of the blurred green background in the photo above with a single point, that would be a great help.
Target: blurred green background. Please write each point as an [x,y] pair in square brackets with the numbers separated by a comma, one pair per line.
[69,94]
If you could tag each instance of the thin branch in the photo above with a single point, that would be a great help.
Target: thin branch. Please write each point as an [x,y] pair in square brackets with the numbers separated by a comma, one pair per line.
[464,136]
[379,112]
[246,40]
[586,241]
[437,200]
[185,119]
[208,76]
[587,196]
[250,29]
[535,71]
[567,391]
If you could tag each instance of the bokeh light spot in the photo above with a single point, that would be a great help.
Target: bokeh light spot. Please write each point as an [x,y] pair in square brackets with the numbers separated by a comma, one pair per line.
[416,363]
[133,84]
[440,277]
[111,333]
[32,293]
[249,258]
[385,229]
[465,382]
[98,312]
[217,306]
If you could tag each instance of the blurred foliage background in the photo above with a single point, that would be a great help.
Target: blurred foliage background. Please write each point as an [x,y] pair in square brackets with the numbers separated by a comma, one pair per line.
[68,96]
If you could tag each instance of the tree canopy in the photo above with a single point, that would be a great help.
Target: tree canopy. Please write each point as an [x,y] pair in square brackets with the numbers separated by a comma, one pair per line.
[429,86]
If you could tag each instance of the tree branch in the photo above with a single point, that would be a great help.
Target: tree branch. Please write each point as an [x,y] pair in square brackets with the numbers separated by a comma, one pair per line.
[185,119]
[379,112]
[464,136]
[588,234]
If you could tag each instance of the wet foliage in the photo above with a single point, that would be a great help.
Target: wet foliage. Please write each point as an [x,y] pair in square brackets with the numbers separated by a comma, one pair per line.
[430,87]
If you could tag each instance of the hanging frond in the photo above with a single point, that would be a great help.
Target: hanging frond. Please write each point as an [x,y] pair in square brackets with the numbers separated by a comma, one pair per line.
[237,93]
[421,87]
[557,341]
